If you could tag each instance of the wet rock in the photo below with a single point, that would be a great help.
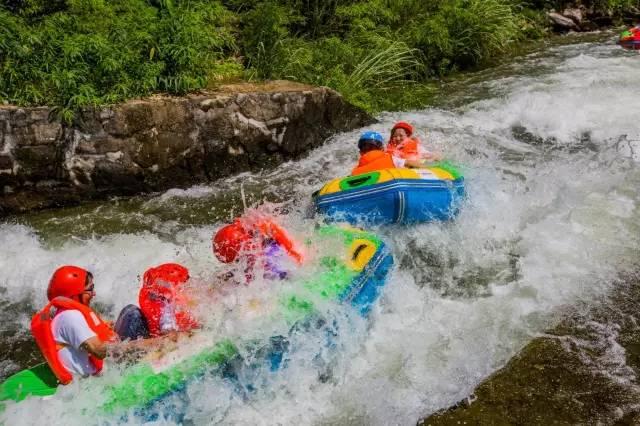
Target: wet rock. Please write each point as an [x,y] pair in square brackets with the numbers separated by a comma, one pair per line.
[36,162]
[6,162]
[633,13]
[603,20]
[37,133]
[162,142]
[575,15]
[120,174]
[562,23]
[584,371]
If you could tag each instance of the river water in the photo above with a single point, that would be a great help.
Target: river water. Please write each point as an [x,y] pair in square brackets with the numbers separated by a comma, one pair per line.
[550,145]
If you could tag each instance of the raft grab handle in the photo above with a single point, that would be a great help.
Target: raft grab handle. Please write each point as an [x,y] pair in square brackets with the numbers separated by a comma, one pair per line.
[359,180]
[357,251]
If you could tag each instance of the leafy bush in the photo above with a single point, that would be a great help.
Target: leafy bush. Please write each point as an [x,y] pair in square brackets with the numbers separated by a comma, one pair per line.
[265,29]
[450,35]
[77,53]
[89,52]
[615,6]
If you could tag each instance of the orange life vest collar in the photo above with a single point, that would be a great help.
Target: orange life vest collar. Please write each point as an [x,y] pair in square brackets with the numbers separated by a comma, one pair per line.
[372,161]
[43,334]
[407,149]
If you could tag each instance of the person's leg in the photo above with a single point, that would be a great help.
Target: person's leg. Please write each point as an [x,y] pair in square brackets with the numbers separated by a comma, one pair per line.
[131,324]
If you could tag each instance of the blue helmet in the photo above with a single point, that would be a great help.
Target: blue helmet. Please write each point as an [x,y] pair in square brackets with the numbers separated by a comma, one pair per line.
[373,138]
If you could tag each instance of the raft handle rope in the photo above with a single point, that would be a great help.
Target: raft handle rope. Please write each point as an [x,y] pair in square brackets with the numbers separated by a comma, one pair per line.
[357,251]
[244,199]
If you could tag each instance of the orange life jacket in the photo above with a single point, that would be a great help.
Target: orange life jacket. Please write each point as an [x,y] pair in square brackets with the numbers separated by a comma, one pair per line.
[43,335]
[274,231]
[372,161]
[408,149]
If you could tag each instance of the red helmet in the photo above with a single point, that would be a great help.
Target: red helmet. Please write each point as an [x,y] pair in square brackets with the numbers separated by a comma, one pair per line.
[229,241]
[67,281]
[173,273]
[403,125]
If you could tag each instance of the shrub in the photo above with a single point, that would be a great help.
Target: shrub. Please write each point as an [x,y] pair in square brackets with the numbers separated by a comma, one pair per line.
[264,31]
[76,53]
[89,52]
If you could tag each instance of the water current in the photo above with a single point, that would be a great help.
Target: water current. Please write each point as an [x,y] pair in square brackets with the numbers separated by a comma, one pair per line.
[550,145]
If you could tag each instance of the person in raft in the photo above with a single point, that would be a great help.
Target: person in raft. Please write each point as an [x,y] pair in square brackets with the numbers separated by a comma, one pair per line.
[164,305]
[71,336]
[404,145]
[373,156]
[257,243]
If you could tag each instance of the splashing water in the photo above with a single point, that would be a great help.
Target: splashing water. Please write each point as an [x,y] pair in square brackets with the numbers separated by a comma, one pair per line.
[550,148]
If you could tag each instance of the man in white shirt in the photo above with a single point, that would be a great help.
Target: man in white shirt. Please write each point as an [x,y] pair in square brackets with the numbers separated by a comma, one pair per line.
[71,330]
[74,338]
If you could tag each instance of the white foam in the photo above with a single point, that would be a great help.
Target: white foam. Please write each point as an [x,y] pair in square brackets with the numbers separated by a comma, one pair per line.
[546,224]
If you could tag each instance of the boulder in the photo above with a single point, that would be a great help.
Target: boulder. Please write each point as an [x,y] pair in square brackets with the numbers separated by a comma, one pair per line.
[575,15]
[161,142]
[562,23]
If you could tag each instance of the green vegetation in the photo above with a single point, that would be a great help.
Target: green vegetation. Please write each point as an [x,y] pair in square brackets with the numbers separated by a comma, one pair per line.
[73,54]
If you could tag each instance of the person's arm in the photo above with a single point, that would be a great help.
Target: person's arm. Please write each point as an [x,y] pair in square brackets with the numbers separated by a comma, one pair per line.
[73,330]
[134,350]
[424,162]
[399,162]
[414,164]
[427,155]
[431,156]
[95,347]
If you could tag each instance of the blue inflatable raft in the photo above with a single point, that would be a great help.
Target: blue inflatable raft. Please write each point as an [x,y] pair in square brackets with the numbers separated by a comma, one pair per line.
[393,196]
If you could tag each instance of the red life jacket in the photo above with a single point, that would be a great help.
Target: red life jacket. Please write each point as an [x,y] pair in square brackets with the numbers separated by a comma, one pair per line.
[155,294]
[43,334]
[262,233]
[274,231]
[372,161]
[408,149]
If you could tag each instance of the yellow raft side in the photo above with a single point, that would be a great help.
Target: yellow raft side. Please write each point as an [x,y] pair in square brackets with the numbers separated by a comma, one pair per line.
[360,253]
[387,175]
[331,187]
[441,173]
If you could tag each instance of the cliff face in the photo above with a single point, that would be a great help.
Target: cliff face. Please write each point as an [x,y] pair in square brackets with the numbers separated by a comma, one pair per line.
[162,142]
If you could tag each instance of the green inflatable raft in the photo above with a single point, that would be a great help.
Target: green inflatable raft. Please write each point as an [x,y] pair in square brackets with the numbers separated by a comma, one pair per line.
[354,276]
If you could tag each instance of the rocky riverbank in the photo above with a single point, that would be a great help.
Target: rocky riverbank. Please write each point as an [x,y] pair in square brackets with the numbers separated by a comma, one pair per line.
[162,142]
[581,18]
[584,371]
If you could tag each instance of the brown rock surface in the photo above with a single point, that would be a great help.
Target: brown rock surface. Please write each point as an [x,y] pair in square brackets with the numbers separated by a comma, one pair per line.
[562,23]
[162,142]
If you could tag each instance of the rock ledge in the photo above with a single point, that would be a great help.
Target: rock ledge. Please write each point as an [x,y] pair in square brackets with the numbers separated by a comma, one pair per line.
[162,142]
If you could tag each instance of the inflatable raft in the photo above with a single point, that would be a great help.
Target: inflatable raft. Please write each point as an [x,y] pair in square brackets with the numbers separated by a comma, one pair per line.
[352,276]
[393,196]
[630,39]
